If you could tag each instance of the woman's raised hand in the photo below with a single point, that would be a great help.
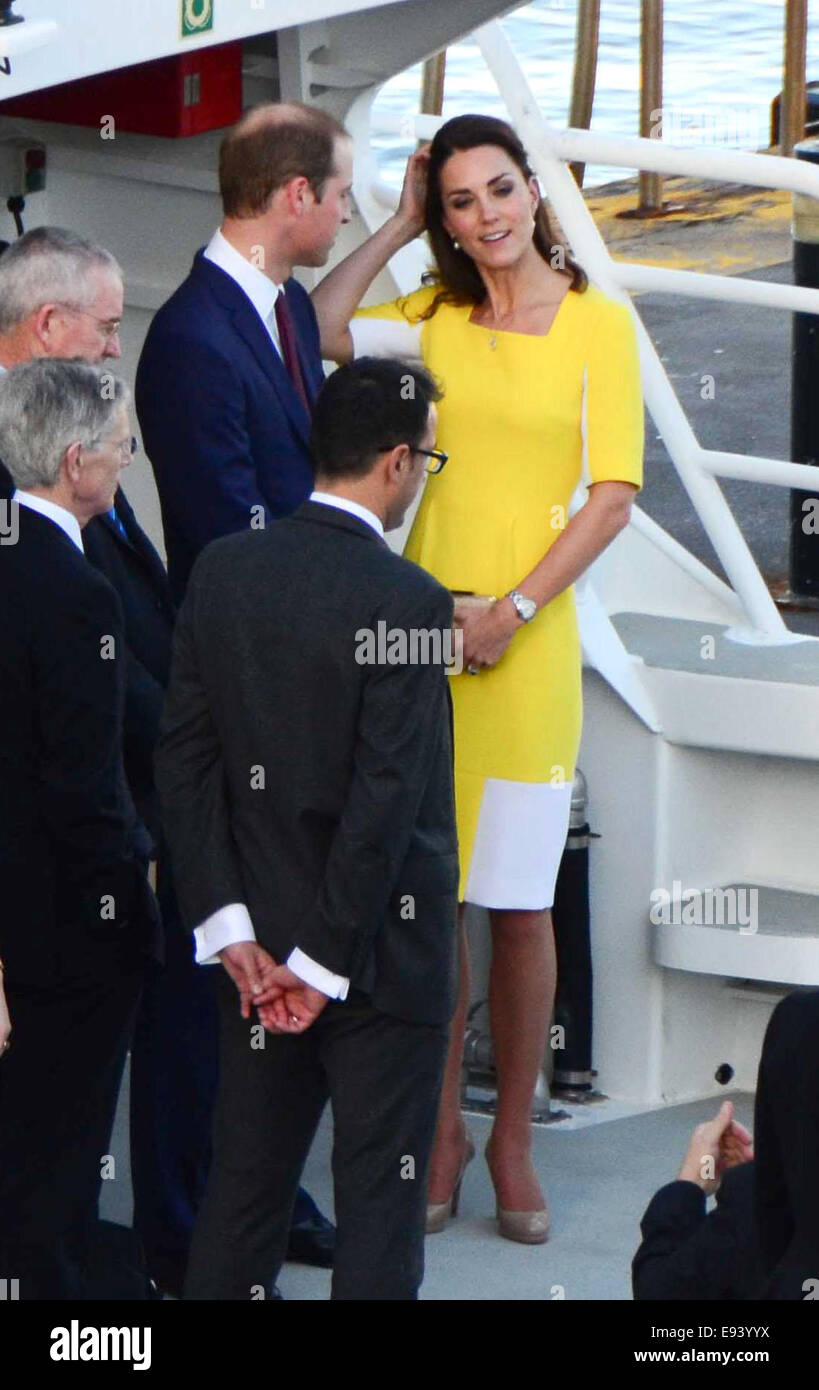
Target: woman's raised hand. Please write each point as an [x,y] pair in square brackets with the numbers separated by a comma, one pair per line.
[414,191]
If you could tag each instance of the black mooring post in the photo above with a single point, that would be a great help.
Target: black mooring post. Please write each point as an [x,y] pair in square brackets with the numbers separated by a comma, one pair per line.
[572,927]
[804,566]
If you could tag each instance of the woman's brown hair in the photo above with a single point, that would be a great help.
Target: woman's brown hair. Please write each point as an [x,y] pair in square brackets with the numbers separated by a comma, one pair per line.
[456,272]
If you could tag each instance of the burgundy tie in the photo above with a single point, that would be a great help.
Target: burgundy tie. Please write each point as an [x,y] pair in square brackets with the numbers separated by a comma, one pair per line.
[290,352]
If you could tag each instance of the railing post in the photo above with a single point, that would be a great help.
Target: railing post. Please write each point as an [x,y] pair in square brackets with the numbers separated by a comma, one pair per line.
[792,112]
[585,72]
[804,561]
[432,84]
[651,95]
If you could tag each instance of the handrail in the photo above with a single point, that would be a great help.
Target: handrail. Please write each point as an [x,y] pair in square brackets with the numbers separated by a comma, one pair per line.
[623,151]
[759,470]
[695,284]
[735,166]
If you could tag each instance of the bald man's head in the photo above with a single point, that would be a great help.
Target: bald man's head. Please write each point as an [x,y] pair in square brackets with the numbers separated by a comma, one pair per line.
[271,145]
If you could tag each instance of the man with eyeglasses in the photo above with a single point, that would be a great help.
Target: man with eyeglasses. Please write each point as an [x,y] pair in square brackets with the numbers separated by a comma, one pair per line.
[337,873]
[78,918]
[60,296]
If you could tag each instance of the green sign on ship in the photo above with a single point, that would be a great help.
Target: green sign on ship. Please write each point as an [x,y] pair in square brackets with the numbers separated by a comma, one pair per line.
[197,17]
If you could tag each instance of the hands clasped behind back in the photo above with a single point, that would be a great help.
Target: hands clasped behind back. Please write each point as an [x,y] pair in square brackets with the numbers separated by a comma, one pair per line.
[284,1002]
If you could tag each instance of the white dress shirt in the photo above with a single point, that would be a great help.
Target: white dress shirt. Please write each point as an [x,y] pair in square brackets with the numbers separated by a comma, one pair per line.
[231,924]
[345,504]
[259,288]
[65,520]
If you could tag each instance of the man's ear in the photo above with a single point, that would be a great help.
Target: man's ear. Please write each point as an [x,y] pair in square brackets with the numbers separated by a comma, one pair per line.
[394,465]
[299,195]
[71,466]
[42,325]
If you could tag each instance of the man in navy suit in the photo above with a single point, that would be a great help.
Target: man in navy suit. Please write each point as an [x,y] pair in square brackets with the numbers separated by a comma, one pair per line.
[231,364]
[78,916]
[229,371]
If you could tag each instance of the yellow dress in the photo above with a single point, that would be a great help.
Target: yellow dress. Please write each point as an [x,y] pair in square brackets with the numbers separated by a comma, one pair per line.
[511,422]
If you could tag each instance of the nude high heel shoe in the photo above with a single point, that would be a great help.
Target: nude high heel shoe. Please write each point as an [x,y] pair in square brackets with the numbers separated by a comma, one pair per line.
[526,1227]
[438,1213]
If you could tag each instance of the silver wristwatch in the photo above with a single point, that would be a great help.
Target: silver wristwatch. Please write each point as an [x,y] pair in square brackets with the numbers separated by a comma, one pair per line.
[525,608]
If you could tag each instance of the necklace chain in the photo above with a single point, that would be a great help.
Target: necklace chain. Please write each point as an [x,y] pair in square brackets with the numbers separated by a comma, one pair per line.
[546,304]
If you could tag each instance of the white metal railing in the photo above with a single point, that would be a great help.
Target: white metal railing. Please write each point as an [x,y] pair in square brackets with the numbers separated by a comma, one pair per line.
[551,150]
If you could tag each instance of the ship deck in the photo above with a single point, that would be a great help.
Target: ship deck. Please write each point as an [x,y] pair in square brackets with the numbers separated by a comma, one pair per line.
[599,1168]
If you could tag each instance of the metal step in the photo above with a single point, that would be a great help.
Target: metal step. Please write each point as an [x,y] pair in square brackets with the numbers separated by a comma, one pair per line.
[709,691]
[748,931]
[702,648]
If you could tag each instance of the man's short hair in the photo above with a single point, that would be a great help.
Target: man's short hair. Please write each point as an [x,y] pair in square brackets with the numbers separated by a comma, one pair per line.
[366,407]
[49,403]
[270,146]
[49,265]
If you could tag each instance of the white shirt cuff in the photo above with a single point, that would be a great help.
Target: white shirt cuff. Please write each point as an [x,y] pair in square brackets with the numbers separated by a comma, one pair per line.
[334,986]
[225,927]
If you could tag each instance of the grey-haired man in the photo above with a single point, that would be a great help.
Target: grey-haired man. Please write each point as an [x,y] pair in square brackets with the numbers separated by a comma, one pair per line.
[79,919]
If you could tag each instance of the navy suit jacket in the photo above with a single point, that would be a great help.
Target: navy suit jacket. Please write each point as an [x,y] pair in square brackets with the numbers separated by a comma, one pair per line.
[69,834]
[132,566]
[222,423]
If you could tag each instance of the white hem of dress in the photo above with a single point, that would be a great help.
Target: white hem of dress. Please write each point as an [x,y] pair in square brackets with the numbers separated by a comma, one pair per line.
[519,843]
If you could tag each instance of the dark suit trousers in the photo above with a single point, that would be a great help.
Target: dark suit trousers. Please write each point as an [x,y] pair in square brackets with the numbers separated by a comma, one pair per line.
[173,1085]
[174,1071]
[58,1091]
[383,1078]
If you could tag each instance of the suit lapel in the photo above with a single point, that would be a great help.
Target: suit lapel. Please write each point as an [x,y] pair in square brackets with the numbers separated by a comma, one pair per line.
[134,539]
[249,326]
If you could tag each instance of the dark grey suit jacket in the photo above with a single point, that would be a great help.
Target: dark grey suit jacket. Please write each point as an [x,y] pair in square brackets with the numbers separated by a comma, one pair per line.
[312,788]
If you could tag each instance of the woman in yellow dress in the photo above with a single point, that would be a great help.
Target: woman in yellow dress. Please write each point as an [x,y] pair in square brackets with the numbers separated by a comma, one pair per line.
[532,362]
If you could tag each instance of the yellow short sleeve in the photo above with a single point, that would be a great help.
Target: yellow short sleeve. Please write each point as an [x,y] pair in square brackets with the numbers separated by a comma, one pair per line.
[409,307]
[614,398]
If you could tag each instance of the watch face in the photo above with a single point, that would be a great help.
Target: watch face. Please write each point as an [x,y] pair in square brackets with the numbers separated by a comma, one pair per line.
[526,607]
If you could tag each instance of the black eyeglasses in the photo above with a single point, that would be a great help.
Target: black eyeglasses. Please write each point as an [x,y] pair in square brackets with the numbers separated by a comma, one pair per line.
[437,459]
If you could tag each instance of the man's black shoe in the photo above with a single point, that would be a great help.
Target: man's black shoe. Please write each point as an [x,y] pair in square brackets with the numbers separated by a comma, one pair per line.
[312,1242]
